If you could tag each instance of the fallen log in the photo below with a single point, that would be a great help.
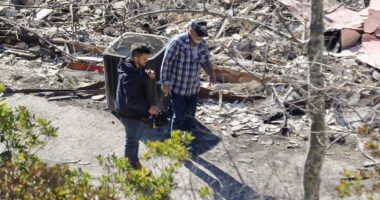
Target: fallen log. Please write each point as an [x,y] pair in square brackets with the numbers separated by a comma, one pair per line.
[79,46]
[226,75]
[208,93]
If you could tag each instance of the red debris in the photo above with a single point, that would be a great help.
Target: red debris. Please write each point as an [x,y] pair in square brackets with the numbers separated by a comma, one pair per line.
[85,67]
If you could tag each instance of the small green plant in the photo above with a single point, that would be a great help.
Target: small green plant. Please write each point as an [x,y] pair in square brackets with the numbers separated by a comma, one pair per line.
[126,181]
[174,147]
[205,192]
[48,182]
[142,183]
[21,132]
[360,182]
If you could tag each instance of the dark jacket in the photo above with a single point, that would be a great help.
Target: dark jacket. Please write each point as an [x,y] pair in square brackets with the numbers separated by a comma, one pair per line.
[131,94]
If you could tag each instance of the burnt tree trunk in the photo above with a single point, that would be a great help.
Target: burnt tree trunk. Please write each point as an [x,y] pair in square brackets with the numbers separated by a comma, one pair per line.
[316,105]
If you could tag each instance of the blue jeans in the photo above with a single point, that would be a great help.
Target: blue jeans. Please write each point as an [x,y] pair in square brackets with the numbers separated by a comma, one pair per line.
[133,130]
[184,108]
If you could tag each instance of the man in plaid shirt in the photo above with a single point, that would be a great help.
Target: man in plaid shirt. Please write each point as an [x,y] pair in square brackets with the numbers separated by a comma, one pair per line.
[185,55]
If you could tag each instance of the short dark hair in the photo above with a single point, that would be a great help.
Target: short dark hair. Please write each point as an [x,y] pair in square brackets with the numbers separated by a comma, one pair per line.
[139,49]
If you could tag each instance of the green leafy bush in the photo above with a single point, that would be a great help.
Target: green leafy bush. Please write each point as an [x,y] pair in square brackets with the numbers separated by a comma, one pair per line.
[48,182]
[143,184]
[21,132]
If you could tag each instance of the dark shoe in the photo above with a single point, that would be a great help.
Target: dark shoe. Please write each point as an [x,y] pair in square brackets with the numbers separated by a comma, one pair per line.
[141,168]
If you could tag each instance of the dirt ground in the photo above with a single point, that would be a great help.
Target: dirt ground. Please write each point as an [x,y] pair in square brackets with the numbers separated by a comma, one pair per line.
[235,168]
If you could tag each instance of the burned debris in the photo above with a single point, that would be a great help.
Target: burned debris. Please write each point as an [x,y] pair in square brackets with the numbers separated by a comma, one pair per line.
[54,49]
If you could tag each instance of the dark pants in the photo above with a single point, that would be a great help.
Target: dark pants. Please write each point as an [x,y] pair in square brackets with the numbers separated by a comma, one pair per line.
[184,108]
[133,130]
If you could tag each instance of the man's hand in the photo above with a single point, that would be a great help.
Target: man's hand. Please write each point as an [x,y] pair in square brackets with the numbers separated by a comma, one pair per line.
[151,74]
[166,89]
[153,110]
[211,72]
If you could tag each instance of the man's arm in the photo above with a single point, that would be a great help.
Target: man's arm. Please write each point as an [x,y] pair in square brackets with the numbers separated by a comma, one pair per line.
[167,64]
[207,66]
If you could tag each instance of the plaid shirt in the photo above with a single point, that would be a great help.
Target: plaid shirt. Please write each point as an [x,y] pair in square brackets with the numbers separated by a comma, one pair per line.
[182,63]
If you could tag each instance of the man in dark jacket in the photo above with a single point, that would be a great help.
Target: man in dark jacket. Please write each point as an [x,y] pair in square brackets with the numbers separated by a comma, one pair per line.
[132,103]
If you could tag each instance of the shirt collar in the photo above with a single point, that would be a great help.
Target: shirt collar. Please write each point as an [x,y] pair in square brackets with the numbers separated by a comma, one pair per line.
[134,65]
[188,40]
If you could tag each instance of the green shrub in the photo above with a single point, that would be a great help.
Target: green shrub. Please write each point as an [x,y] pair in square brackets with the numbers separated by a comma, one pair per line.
[48,182]
[142,183]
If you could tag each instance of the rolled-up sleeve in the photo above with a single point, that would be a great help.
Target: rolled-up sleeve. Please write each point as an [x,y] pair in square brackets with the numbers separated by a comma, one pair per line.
[168,63]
